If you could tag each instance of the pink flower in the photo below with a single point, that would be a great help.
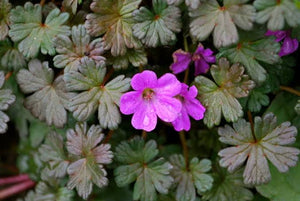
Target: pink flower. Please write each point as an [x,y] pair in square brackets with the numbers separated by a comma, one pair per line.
[201,58]
[152,97]
[190,107]
[289,45]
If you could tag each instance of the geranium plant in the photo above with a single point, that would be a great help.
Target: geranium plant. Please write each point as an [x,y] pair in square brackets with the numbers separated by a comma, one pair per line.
[149,100]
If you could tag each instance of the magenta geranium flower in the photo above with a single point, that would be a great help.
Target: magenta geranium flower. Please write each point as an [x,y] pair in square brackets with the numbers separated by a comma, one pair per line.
[190,107]
[201,58]
[289,45]
[152,97]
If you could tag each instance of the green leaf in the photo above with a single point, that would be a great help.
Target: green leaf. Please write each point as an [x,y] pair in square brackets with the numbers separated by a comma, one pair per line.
[70,52]
[138,165]
[257,99]
[94,95]
[54,154]
[193,178]
[249,53]
[6,99]
[193,4]
[265,142]
[275,13]
[27,28]
[84,144]
[44,191]
[228,187]
[157,27]
[282,186]
[5,7]
[222,21]
[135,57]
[220,97]
[114,19]
[37,132]
[11,58]
[50,98]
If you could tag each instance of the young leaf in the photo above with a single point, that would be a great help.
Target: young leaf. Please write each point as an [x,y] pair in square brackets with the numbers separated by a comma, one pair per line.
[297,107]
[11,58]
[93,94]
[282,186]
[150,176]
[190,180]
[53,152]
[5,7]
[33,34]
[157,27]
[50,98]
[135,57]
[222,21]
[6,99]
[114,19]
[265,142]
[72,51]
[228,187]
[84,144]
[276,13]
[220,97]
[249,53]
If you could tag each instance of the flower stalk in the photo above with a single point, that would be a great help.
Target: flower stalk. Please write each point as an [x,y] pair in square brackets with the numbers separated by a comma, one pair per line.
[290,90]
[185,148]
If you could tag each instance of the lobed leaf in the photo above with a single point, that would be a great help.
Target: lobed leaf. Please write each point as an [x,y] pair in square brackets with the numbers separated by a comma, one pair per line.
[211,17]
[265,142]
[94,95]
[71,51]
[138,165]
[220,97]
[53,152]
[114,19]
[251,53]
[49,100]
[32,34]
[6,99]
[157,27]
[275,13]
[188,180]
[85,144]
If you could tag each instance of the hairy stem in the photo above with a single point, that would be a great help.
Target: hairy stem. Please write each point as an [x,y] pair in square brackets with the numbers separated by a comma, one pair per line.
[42,2]
[186,73]
[290,90]
[15,189]
[252,124]
[14,179]
[185,148]
[107,76]
[144,134]
[108,136]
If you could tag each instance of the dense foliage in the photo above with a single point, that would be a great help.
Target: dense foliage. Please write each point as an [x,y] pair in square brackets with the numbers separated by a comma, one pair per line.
[150,100]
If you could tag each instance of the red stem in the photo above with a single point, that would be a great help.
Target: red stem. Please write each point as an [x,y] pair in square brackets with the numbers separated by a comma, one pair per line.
[15,189]
[14,179]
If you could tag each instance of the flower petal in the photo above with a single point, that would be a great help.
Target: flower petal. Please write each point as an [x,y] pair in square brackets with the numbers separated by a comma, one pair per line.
[280,35]
[145,79]
[130,101]
[167,108]
[201,66]
[289,46]
[195,109]
[144,117]
[168,85]
[182,122]
[193,92]
[181,61]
